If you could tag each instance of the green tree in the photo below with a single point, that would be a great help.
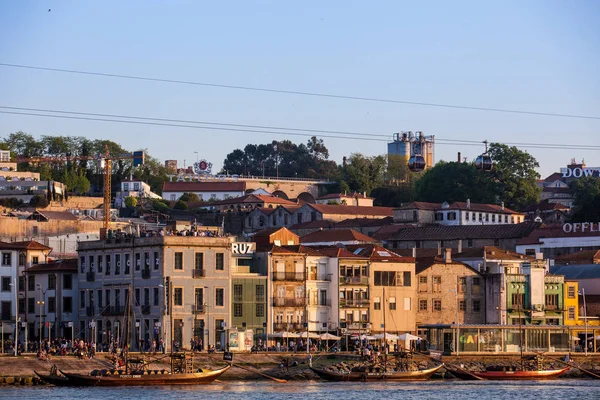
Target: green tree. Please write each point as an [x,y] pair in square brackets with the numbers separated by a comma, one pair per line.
[363,174]
[160,206]
[180,205]
[586,207]
[514,170]
[131,201]
[38,201]
[189,197]
[453,181]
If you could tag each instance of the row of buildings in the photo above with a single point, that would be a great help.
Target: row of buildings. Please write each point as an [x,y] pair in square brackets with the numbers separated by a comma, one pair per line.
[183,288]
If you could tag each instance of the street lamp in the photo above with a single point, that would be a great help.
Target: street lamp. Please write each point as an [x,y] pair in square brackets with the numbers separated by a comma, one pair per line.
[455,291]
[41,303]
[14,285]
[207,317]
[585,320]
[164,317]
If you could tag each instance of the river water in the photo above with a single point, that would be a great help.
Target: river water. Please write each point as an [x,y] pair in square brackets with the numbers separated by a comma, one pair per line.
[436,390]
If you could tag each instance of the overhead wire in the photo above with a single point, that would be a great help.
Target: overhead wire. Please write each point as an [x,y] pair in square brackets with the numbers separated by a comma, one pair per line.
[299,93]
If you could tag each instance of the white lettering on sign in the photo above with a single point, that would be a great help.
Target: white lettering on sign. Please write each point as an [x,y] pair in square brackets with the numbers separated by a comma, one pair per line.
[580,172]
[581,227]
[204,177]
[243,248]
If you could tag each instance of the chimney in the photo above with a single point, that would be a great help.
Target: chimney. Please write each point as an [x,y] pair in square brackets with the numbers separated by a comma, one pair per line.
[365,194]
[468,203]
[459,157]
[344,162]
[502,205]
[448,255]
[414,252]
[460,245]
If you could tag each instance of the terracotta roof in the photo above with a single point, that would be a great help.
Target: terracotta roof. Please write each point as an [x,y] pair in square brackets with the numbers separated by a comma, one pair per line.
[344,196]
[557,176]
[423,253]
[338,252]
[53,215]
[388,232]
[69,265]
[321,223]
[267,232]
[580,257]
[364,222]
[376,252]
[204,186]
[25,245]
[491,253]
[421,205]
[424,263]
[459,205]
[352,210]
[546,206]
[466,232]
[255,198]
[335,236]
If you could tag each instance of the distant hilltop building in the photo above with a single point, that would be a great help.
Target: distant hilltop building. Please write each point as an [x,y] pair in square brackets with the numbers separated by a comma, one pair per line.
[171,166]
[408,144]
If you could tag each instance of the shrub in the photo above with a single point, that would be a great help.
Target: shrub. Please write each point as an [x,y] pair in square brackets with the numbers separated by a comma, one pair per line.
[180,205]
[160,206]
[38,201]
[189,197]
[131,201]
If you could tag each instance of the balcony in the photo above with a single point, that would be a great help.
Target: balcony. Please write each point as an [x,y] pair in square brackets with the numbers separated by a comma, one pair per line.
[288,276]
[113,310]
[319,277]
[358,325]
[89,311]
[198,309]
[198,273]
[551,307]
[288,327]
[354,303]
[91,276]
[327,303]
[146,309]
[354,280]
[289,302]
[146,273]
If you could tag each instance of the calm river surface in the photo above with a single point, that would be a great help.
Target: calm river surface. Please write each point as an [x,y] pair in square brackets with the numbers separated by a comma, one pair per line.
[446,390]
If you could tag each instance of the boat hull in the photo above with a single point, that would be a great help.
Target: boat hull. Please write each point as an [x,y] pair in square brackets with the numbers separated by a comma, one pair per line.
[55,380]
[462,374]
[420,375]
[520,375]
[197,378]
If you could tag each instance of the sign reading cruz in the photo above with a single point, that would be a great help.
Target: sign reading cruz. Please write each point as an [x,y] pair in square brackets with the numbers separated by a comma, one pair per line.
[581,227]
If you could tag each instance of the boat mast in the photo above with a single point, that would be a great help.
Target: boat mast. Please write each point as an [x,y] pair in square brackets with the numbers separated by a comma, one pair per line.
[521,332]
[384,336]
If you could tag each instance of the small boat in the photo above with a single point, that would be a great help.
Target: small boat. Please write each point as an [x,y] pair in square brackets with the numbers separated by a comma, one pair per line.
[369,374]
[143,378]
[53,379]
[522,375]
[462,374]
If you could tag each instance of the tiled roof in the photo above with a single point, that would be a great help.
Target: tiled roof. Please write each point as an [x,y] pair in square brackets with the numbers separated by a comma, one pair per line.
[388,232]
[557,176]
[424,263]
[352,210]
[335,236]
[587,256]
[492,208]
[466,232]
[546,206]
[377,253]
[69,265]
[321,223]
[25,245]
[576,272]
[492,252]
[421,205]
[53,215]
[255,198]
[364,222]
[204,186]
[339,252]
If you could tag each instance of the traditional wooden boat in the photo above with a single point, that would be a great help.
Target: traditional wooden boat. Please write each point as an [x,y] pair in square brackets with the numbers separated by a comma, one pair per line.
[462,374]
[144,378]
[53,379]
[369,374]
[521,375]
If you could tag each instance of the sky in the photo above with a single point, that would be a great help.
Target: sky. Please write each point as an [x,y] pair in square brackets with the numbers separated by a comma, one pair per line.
[535,55]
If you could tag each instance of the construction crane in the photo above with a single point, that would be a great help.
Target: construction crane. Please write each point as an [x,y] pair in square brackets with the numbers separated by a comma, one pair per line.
[105,161]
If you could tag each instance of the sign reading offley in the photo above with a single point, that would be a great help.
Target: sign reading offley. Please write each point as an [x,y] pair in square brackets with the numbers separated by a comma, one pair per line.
[581,227]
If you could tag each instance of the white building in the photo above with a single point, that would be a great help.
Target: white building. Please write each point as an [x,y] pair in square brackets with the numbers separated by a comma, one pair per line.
[206,191]
[134,188]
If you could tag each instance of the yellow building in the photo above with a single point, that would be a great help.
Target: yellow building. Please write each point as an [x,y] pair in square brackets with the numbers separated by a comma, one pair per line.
[574,315]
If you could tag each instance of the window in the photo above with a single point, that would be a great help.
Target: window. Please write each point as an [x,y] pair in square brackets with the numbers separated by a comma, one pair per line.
[100,265]
[6,258]
[422,305]
[99,296]
[146,296]
[469,242]
[67,281]
[31,282]
[377,303]
[467,214]
[237,293]
[178,260]
[475,286]
[21,284]
[22,256]
[392,303]
[127,264]
[437,305]
[51,304]
[452,216]
[155,295]
[476,305]
[82,299]
[6,284]
[571,314]
[126,187]
[571,292]
[237,309]
[462,284]
[138,261]
[156,260]
[493,217]
[178,296]
[385,278]
[147,260]
[199,261]
[35,260]
[117,264]
[439,216]
[67,304]
[552,300]
[219,297]
[220,261]
[462,305]
[31,305]
[51,282]
[406,279]
[422,284]
[136,186]
[517,300]
[437,283]
[108,264]
[260,310]
[137,296]
[260,293]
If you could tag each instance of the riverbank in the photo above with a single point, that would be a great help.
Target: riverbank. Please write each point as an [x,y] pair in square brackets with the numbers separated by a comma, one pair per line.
[21,369]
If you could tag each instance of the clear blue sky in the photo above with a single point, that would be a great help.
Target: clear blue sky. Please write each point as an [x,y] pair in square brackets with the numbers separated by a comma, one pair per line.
[530,55]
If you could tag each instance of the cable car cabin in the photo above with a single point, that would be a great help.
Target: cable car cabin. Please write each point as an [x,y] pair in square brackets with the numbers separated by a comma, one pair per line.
[484,163]
[416,163]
